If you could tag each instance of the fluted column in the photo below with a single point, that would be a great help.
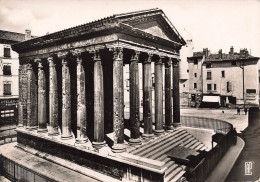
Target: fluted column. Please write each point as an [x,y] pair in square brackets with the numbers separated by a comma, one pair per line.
[81,101]
[168,96]
[176,94]
[98,102]
[20,104]
[31,99]
[134,100]
[118,101]
[42,125]
[53,99]
[66,98]
[158,97]
[147,97]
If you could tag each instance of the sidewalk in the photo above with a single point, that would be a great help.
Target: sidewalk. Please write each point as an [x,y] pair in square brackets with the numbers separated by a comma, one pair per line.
[225,165]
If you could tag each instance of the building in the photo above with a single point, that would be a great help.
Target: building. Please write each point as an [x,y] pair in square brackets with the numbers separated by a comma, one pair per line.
[185,52]
[227,80]
[9,66]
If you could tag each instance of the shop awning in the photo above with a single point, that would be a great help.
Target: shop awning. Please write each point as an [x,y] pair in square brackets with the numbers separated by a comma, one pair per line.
[211,99]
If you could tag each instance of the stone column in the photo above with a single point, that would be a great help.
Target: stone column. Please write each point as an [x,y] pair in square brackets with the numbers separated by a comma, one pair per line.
[81,101]
[168,95]
[31,99]
[118,101]
[20,104]
[98,102]
[176,94]
[42,125]
[158,97]
[134,100]
[53,99]
[66,98]
[147,97]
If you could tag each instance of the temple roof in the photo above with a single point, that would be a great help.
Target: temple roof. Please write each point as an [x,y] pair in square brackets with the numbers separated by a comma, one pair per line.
[135,23]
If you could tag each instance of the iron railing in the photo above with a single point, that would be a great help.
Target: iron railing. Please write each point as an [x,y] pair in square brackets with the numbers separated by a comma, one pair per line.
[16,172]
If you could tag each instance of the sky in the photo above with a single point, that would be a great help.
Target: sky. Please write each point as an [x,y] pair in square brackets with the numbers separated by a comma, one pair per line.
[212,24]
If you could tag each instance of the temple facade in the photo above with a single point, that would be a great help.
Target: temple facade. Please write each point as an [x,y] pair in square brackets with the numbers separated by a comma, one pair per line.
[71,95]
[75,77]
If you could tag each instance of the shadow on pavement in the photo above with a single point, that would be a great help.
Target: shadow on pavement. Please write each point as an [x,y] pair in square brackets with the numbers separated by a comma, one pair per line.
[247,167]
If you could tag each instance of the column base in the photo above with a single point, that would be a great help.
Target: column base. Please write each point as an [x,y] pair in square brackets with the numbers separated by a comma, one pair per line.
[20,125]
[148,136]
[81,140]
[42,130]
[135,141]
[53,132]
[159,132]
[30,128]
[98,145]
[118,148]
[169,128]
[176,125]
[67,137]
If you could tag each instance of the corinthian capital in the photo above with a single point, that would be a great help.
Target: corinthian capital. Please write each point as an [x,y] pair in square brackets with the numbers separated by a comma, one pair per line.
[62,55]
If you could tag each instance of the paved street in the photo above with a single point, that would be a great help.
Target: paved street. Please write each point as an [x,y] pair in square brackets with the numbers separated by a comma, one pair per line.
[240,122]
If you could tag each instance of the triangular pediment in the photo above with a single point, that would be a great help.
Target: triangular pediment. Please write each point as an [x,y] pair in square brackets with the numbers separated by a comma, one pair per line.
[153,22]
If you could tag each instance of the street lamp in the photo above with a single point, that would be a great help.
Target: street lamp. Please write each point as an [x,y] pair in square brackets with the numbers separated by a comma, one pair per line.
[243,71]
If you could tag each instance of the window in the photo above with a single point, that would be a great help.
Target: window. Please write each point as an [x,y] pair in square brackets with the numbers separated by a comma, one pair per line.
[251,91]
[183,85]
[195,61]
[7,70]
[208,65]
[187,71]
[195,74]
[209,75]
[229,86]
[195,85]
[7,89]
[215,86]
[7,52]
[223,73]
[127,82]
[208,86]
[233,63]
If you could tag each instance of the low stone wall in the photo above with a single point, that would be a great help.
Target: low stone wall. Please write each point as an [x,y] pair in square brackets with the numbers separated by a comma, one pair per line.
[118,169]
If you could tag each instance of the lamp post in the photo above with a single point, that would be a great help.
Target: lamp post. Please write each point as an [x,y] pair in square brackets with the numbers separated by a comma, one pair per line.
[243,73]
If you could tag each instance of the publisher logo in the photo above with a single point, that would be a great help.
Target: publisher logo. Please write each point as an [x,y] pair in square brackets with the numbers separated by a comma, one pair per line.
[248,168]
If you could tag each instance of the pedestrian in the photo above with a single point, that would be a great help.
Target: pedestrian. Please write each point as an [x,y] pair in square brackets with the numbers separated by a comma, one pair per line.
[245,111]
[238,111]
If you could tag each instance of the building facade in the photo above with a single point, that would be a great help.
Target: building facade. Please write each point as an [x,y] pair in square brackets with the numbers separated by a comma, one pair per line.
[9,66]
[232,78]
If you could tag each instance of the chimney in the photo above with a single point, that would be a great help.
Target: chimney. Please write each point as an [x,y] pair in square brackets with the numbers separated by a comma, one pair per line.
[206,52]
[28,34]
[231,50]
[220,54]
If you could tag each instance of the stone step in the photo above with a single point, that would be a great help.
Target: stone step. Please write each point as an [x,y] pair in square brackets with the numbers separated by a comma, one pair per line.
[166,142]
[170,169]
[177,177]
[195,145]
[190,144]
[173,174]
[167,148]
[157,143]
[149,144]
[170,141]
[170,163]
[199,146]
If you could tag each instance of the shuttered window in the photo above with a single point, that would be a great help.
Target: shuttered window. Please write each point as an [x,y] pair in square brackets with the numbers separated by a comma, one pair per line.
[7,89]
[7,52]
[229,86]
[7,70]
